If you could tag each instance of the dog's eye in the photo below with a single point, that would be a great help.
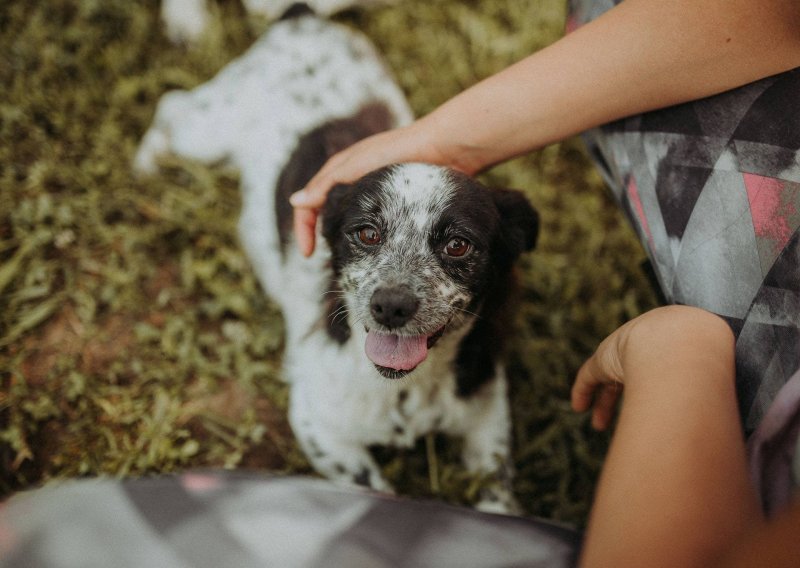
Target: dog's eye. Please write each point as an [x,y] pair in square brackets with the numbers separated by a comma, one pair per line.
[369,235]
[457,247]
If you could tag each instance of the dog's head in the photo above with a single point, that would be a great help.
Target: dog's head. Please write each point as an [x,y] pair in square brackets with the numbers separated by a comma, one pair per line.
[415,250]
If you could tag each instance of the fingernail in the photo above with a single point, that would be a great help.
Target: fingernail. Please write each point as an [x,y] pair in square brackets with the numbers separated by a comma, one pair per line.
[299,198]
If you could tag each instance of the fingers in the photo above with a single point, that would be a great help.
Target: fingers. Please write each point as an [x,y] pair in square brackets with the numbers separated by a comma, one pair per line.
[312,196]
[307,203]
[604,404]
[305,225]
[595,388]
[582,393]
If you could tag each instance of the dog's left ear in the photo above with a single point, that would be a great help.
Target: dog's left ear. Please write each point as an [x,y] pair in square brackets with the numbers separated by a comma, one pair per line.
[519,221]
[332,212]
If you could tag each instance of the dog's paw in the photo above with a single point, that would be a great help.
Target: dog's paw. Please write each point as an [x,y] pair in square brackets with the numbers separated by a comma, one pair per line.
[173,110]
[184,20]
[154,144]
[498,500]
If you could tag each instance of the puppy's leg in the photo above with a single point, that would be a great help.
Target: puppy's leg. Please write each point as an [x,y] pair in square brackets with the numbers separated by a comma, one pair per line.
[487,446]
[340,460]
[157,141]
[185,124]
[185,20]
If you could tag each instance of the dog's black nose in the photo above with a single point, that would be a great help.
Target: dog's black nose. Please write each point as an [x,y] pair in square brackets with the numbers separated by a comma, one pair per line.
[393,307]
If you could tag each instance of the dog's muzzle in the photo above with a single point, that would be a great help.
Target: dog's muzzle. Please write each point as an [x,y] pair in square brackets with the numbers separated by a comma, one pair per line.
[395,355]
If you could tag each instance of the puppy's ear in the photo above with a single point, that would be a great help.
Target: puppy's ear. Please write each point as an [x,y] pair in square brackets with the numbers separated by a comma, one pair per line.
[336,203]
[518,219]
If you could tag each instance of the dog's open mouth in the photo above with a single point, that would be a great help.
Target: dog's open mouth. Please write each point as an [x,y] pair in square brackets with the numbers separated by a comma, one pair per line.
[396,355]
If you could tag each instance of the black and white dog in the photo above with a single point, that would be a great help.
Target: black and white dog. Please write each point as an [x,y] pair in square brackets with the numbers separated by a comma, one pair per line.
[395,324]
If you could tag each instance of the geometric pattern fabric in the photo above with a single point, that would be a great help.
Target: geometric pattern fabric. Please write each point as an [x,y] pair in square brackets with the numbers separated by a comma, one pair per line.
[712,188]
[221,519]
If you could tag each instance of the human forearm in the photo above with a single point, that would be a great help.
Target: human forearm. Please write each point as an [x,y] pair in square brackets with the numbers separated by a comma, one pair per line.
[641,55]
[674,490]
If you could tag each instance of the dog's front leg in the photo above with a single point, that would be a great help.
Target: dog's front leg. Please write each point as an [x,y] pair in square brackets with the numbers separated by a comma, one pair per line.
[487,446]
[185,20]
[340,460]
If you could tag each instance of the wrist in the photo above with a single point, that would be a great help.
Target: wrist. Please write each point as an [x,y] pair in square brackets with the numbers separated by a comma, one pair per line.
[443,144]
[678,337]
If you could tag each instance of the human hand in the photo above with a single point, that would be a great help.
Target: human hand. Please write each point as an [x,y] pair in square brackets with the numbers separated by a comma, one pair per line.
[599,382]
[677,445]
[645,348]
[407,144]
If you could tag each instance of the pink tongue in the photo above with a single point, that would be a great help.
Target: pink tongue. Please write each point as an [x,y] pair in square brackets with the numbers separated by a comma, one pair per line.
[396,352]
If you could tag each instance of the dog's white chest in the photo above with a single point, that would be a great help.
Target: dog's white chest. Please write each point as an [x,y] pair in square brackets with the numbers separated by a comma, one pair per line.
[338,388]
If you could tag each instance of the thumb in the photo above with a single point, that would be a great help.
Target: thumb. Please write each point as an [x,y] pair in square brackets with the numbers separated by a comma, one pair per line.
[312,196]
[305,230]
[586,382]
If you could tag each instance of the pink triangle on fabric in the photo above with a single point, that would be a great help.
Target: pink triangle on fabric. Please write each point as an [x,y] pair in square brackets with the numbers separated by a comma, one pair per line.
[572,24]
[770,213]
[636,202]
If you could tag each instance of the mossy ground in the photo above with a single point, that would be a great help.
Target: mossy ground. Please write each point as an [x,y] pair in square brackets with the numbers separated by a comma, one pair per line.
[133,337]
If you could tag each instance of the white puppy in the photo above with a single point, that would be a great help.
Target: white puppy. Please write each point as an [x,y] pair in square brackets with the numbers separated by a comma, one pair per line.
[395,324]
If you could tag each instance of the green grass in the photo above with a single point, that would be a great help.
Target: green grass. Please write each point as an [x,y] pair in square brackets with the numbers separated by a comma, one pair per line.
[133,337]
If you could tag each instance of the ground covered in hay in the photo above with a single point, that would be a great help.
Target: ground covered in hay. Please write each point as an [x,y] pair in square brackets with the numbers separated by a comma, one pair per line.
[133,337]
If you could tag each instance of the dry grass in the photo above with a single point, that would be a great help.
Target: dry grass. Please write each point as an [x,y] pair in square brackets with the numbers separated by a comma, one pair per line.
[133,337]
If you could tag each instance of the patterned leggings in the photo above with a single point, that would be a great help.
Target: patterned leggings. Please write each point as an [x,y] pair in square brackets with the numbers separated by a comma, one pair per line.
[712,188]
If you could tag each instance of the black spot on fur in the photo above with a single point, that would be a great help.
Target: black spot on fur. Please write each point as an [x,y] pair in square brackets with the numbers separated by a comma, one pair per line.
[313,448]
[477,355]
[362,478]
[490,496]
[402,397]
[480,349]
[296,10]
